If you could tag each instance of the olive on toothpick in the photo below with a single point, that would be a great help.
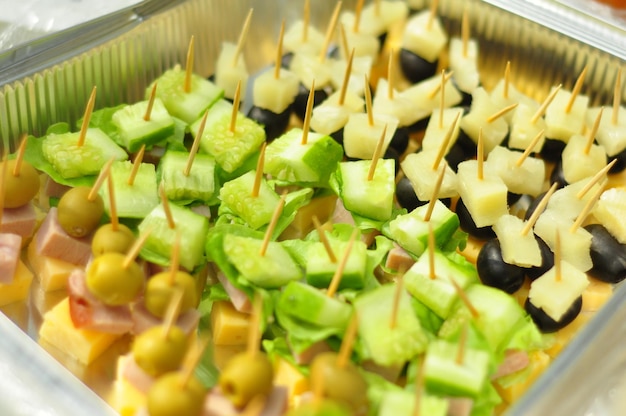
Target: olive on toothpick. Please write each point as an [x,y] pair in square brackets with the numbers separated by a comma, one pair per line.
[21,181]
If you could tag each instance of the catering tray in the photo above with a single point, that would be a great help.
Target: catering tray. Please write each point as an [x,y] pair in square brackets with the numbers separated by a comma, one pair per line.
[49,80]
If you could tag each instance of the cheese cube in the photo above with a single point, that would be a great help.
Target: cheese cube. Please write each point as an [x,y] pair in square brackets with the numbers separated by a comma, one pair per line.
[561,125]
[418,168]
[285,374]
[612,136]
[484,198]
[522,250]
[59,331]
[229,326]
[424,39]
[438,126]
[524,179]
[18,289]
[523,130]
[578,164]
[610,210]
[482,109]
[126,399]
[52,273]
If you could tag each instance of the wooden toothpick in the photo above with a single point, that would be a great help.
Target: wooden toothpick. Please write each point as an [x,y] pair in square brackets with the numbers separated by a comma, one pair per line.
[507,80]
[196,144]
[592,133]
[104,173]
[586,210]
[443,148]
[500,113]
[272,225]
[136,165]
[166,207]
[334,283]
[148,112]
[136,248]
[368,102]
[258,177]
[396,301]
[279,50]
[330,31]
[435,195]
[233,115]
[307,115]
[617,97]
[538,210]
[242,38]
[112,204]
[19,157]
[345,350]
[174,259]
[595,179]
[324,239]
[189,66]
[544,106]
[87,117]
[346,80]
[377,154]
[576,90]
[529,148]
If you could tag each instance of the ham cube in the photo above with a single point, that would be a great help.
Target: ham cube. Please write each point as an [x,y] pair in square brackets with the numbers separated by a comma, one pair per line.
[21,221]
[53,241]
[10,246]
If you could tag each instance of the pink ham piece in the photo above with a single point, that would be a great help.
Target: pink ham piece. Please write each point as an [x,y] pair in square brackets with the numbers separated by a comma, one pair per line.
[514,361]
[134,374]
[217,405]
[10,247]
[53,189]
[88,312]
[399,259]
[237,297]
[53,241]
[306,357]
[143,319]
[21,221]
[460,406]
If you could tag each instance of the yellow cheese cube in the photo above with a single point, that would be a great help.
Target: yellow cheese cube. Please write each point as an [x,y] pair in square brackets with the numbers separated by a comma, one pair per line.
[126,399]
[230,327]
[565,335]
[18,289]
[58,330]
[285,374]
[596,295]
[323,207]
[52,273]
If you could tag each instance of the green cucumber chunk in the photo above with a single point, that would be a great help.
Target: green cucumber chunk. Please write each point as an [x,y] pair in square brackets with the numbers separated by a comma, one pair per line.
[191,227]
[310,305]
[187,106]
[368,198]
[287,159]
[439,293]
[402,402]
[385,345]
[443,374]
[199,185]
[320,270]
[230,149]
[73,161]
[274,269]
[257,211]
[136,200]
[135,131]
[410,230]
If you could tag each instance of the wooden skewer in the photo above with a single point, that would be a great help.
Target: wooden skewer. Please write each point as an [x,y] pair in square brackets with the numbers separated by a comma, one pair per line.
[148,112]
[345,350]
[538,210]
[377,154]
[419,387]
[307,115]
[442,99]
[334,283]
[233,116]
[87,117]
[586,210]
[357,16]
[136,248]
[104,173]
[557,256]
[431,252]
[433,198]
[368,103]
[272,225]
[617,97]
[595,179]
[254,334]
[197,352]
[500,113]
[443,148]
[396,301]
[279,51]
[346,80]
[242,37]
[166,207]
[480,157]
[189,65]
[576,90]
[460,353]
[174,259]
[464,298]
[324,239]
[507,80]
[592,133]
[173,309]
[19,157]
[259,172]
[390,75]
[544,106]
[529,148]
[433,12]
[465,31]
[437,88]
[196,143]
[344,40]
[112,204]
[330,31]
[136,165]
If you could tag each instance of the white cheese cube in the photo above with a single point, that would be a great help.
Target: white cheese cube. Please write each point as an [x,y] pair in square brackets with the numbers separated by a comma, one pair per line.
[377,17]
[275,94]
[522,250]
[294,40]
[579,165]
[228,73]
[360,139]
[418,168]
[329,116]
[610,211]
[513,95]
[523,130]
[484,198]
[424,40]
[438,127]
[424,104]
[399,106]
[495,131]
[464,66]
[561,125]
[611,136]
[556,296]
[526,179]
[566,202]
[309,68]
[361,66]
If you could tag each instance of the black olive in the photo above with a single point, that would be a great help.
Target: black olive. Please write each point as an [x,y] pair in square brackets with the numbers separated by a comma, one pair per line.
[400,140]
[405,194]
[273,124]
[607,254]
[494,271]
[466,97]
[456,155]
[414,67]
[419,125]
[545,323]
[558,175]
[285,60]
[391,153]
[620,165]
[299,104]
[547,261]
[552,149]
[512,198]
[469,226]
[467,144]
[338,136]
[382,38]
[533,205]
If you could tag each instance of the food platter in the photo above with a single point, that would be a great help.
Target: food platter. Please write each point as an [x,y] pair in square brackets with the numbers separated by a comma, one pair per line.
[153,37]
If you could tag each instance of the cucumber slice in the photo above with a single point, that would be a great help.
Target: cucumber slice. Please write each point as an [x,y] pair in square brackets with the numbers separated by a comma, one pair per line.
[410,230]
[371,199]
[199,185]
[230,149]
[320,270]
[287,159]
[188,106]
[72,161]
[136,200]
[402,402]
[308,304]
[444,374]
[193,230]
[275,269]
[385,345]
[256,211]
[439,294]
[135,131]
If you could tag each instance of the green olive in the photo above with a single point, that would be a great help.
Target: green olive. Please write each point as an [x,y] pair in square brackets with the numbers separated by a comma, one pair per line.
[323,407]
[344,385]
[106,239]
[158,352]
[246,376]
[160,291]
[172,395]
[21,189]
[79,216]
[111,282]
